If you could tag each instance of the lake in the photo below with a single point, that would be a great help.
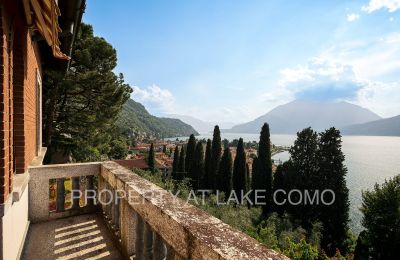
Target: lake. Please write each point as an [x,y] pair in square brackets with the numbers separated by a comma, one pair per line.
[369,160]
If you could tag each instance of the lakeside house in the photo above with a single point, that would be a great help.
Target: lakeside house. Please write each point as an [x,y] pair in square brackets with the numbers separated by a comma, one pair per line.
[37,35]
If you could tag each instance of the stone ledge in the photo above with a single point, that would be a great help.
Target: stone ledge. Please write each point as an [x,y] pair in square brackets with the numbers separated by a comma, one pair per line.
[192,233]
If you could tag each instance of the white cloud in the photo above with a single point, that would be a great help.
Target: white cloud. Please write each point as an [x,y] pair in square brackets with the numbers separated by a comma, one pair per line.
[154,98]
[329,78]
[380,97]
[320,79]
[352,17]
[374,5]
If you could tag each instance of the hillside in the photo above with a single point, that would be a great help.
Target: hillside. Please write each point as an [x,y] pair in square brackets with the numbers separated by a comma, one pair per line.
[297,115]
[200,125]
[383,127]
[135,116]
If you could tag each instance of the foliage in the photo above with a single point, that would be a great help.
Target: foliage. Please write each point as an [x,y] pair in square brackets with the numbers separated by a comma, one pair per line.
[136,120]
[151,159]
[264,168]
[80,108]
[225,172]
[207,165]
[198,166]
[381,209]
[332,175]
[118,148]
[239,171]
[216,151]
[181,165]
[190,148]
[175,165]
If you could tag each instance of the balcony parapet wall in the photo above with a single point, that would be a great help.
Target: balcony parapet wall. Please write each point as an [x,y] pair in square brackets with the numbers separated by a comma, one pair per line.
[175,229]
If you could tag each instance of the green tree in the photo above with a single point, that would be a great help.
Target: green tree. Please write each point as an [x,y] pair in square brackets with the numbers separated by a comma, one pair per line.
[119,148]
[164,149]
[225,172]
[181,167]
[198,166]
[175,164]
[264,169]
[207,165]
[216,151]
[239,171]
[332,175]
[254,180]
[151,160]
[190,148]
[279,184]
[381,210]
[81,107]
[303,174]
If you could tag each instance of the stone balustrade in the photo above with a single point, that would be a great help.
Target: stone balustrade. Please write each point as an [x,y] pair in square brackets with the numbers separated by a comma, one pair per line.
[39,189]
[147,221]
[153,224]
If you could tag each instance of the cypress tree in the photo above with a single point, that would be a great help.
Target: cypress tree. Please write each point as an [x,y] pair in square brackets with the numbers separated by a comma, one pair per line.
[207,166]
[264,173]
[332,175]
[151,159]
[239,171]
[225,172]
[198,166]
[216,151]
[190,147]
[175,164]
[254,181]
[181,165]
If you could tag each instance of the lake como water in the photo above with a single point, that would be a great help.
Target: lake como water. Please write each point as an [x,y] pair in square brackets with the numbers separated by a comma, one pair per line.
[369,160]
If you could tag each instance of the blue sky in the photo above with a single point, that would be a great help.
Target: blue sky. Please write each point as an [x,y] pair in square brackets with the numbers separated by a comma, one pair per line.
[231,61]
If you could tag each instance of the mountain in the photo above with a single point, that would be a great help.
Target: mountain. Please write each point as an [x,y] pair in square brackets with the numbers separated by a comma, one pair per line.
[297,115]
[384,127]
[200,125]
[135,116]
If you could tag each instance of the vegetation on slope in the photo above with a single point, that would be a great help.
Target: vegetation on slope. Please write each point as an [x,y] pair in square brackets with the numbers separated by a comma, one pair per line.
[136,120]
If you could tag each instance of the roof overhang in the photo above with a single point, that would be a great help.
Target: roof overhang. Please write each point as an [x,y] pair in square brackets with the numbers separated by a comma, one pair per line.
[42,16]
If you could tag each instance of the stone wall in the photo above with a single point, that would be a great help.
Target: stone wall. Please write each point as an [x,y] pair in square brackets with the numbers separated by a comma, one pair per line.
[191,232]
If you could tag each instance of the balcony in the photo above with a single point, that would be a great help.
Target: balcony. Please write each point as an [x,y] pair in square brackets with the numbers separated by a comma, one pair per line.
[150,223]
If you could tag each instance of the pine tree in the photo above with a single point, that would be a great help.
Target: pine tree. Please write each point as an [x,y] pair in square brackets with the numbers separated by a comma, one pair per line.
[190,148]
[81,107]
[198,166]
[225,172]
[207,166]
[181,165]
[264,173]
[332,175]
[239,171]
[151,159]
[175,164]
[216,152]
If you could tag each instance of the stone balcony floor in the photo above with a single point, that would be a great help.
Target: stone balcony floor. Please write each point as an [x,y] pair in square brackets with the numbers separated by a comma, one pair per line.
[79,237]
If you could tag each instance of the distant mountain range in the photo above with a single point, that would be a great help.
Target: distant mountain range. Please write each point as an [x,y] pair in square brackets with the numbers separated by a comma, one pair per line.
[297,115]
[200,125]
[385,127]
[134,116]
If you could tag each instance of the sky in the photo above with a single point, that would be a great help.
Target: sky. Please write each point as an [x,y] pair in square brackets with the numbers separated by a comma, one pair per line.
[234,60]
